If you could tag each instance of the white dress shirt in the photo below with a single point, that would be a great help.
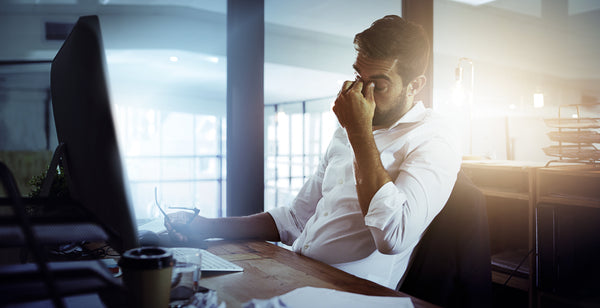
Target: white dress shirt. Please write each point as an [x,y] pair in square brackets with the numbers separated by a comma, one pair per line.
[325,221]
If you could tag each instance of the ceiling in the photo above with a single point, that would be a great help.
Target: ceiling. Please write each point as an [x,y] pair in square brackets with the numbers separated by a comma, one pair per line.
[142,74]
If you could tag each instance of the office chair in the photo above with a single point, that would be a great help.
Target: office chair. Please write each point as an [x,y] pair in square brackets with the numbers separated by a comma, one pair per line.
[452,264]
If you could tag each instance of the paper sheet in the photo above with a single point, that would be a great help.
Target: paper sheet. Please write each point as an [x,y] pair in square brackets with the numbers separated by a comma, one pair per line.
[328,298]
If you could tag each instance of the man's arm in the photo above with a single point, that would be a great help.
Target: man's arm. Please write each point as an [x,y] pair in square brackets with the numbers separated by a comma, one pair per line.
[400,213]
[258,226]
[262,226]
[355,113]
[369,172]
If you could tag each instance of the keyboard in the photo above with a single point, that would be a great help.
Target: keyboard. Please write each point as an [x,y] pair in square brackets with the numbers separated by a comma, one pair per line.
[210,262]
[214,263]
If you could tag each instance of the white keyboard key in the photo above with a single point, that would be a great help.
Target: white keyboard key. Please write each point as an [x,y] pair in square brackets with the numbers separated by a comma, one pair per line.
[214,263]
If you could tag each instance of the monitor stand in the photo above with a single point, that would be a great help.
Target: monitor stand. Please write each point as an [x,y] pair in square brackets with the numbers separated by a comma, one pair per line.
[59,158]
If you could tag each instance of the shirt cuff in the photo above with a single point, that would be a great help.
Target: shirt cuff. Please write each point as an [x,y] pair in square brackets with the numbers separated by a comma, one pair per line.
[286,226]
[386,202]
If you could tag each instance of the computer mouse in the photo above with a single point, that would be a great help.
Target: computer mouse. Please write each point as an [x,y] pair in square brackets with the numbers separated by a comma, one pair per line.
[148,238]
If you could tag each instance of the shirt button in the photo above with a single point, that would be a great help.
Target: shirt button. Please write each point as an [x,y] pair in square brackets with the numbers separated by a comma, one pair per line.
[326,213]
[340,181]
[306,246]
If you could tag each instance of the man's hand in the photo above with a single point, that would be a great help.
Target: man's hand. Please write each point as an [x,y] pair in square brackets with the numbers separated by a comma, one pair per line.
[184,226]
[353,109]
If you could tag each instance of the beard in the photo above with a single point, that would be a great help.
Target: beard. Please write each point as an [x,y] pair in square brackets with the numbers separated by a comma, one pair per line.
[388,117]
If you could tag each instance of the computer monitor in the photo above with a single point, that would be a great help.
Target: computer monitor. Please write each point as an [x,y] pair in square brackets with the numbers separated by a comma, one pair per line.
[84,124]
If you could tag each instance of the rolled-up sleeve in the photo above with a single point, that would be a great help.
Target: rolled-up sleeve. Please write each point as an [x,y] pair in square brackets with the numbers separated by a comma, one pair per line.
[287,224]
[400,212]
[290,220]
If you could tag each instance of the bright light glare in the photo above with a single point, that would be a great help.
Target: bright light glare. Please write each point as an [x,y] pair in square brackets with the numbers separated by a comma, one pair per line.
[538,100]
[173,59]
[280,116]
[213,59]
[574,116]
[474,2]
[512,106]
[458,95]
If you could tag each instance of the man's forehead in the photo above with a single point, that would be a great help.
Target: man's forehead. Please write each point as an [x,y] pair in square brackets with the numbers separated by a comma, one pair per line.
[364,63]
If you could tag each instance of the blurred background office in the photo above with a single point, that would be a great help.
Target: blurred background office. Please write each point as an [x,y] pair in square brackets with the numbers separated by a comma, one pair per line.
[499,68]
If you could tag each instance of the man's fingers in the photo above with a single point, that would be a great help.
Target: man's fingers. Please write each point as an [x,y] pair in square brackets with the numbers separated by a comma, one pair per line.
[167,223]
[368,92]
[177,237]
[182,228]
[347,85]
[179,232]
[176,224]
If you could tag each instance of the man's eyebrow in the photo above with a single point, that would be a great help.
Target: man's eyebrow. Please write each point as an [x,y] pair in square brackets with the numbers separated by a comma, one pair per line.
[378,76]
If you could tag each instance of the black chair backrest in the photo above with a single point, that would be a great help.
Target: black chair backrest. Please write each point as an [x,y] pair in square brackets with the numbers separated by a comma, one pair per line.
[452,265]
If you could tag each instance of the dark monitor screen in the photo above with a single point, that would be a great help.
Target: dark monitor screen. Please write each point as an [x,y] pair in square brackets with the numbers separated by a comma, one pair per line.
[84,124]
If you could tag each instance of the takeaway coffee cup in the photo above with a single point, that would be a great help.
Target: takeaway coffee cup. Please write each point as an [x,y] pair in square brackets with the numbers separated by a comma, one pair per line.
[147,276]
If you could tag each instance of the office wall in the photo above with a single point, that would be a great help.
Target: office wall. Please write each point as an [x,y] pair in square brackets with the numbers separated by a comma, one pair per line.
[22,120]
[517,49]
[189,32]
[505,74]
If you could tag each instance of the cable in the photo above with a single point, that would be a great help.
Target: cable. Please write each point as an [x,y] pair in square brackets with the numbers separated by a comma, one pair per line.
[517,268]
[82,251]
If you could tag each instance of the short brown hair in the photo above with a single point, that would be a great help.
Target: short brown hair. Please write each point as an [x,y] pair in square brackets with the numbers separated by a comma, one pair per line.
[393,37]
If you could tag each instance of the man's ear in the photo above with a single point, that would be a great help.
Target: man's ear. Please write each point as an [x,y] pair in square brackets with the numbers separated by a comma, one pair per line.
[415,86]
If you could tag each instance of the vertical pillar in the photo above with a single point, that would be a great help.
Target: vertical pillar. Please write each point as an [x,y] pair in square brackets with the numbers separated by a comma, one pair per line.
[421,12]
[245,107]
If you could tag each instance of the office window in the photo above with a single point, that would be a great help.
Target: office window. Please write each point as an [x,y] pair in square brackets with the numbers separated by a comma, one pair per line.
[168,82]
[181,154]
[296,137]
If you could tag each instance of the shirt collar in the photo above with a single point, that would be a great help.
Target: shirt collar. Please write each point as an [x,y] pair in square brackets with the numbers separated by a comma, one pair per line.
[415,114]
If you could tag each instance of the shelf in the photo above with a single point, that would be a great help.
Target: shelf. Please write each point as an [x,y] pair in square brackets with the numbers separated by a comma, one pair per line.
[501,179]
[548,299]
[570,200]
[575,186]
[508,260]
[585,171]
[578,132]
[514,282]
[577,123]
[494,192]
[580,152]
[577,136]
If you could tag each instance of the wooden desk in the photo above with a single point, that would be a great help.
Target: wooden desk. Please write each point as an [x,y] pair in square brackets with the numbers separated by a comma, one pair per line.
[270,271]
[552,213]
[568,212]
[509,189]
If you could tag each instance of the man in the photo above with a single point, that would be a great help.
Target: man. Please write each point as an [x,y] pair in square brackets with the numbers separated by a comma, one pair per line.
[387,172]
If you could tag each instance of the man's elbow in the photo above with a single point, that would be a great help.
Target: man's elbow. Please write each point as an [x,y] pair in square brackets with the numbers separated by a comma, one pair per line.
[388,249]
[387,245]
